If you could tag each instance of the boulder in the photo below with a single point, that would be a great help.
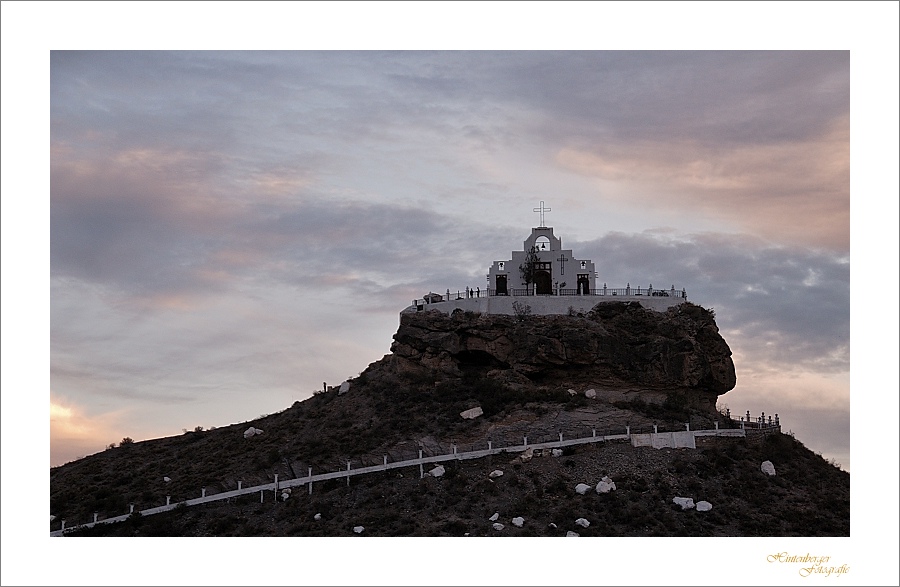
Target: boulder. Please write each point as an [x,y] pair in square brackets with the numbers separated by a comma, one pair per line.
[552,525]
[556,452]
[251,432]
[472,414]
[703,506]
[571,534]
[358,529]
[437,471]
[582,488]
[606,485]
[572,392]
[582,522]
[518,521]
[590,394]
[317,517]
[767,467]
[498,526]
[495,474]
[166,479]
[526,456]
[494,518]
[686,503]
[345,387]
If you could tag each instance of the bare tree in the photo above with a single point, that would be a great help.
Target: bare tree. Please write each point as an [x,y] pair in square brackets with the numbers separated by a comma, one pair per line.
[528,268]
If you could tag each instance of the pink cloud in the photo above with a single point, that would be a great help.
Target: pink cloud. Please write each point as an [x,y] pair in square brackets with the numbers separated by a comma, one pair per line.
[791,191]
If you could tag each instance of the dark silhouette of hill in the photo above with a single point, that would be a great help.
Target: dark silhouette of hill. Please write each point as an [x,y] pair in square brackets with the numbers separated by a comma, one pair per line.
[646,368]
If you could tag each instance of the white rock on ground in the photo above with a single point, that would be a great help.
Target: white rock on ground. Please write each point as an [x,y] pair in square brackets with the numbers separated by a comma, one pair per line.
[473,413]
[494,518]
[284,496]
[552,525]
[437,471]
[526,456]
[767,467]
[557,452]
[498,526]
[52,517]
[166,479]
[573,392]
[590,394]
[582,522]
[317,517]
[517,522]
[582,488]
[345,387]
[495,474]
[251,432]
[604,487]
[703,506]
[358,529]
[571,534]
[686,503]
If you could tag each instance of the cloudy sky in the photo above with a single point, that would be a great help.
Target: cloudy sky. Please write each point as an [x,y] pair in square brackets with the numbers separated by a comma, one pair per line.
[230,229]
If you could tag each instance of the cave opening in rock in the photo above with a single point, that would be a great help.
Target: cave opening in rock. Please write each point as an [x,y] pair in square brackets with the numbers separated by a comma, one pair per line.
[478,361]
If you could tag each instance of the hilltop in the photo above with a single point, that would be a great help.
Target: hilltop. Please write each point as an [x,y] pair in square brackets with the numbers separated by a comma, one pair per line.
[645,368]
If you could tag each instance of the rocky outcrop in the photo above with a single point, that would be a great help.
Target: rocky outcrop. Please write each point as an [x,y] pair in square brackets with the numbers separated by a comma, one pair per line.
[618,348]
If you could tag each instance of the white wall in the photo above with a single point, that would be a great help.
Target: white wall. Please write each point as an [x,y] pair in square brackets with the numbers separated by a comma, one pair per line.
[544,305]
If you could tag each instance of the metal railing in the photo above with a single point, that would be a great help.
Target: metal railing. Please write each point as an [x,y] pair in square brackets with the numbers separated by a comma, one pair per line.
[472,293]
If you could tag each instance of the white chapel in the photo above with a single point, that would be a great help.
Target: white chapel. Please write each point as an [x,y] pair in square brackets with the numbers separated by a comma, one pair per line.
[547,279]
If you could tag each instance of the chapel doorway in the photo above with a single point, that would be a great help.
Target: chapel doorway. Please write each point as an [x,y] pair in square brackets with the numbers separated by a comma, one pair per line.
[542,282]
[584,284]
[501,286]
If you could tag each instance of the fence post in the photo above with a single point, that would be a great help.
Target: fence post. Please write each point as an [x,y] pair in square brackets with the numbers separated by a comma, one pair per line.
[593,433]
[95,517]
[63,529]
[131,508]
[655,429]
[239,485]
[385,462]
[276,486]
[348,473]
[310,481]
[203,492]
[168,497]
[261,496]
[560,437]
[628,430]
[489,445]
[717,424]
[687,426]
[525,442]
[421,468]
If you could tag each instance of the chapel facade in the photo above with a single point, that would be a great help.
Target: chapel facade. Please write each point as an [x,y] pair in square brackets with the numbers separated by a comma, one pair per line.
[556,270]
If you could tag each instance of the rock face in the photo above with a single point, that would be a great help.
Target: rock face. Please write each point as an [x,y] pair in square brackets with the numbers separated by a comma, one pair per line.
[616,346]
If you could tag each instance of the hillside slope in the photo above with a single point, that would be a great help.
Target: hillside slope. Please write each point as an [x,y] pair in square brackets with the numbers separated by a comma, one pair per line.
[647,368]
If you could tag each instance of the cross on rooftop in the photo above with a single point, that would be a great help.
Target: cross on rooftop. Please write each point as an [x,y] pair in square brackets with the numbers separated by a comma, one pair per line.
[541,210]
